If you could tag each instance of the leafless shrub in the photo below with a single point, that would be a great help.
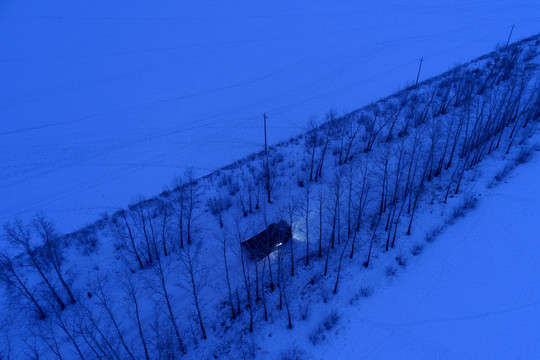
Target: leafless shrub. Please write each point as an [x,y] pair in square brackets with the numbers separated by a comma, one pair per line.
[503,173]
[293,353]
[459,211]
[524,155]
[305,310]
[469,202]
[317,335]
[530,54]
[331,319]
[366,291]
[417,249]
[390,271]
[432,234]
[401,260]
[233,187]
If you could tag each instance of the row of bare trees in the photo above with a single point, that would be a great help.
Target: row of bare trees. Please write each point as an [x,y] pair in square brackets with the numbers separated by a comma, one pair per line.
[35,264]
[384,156]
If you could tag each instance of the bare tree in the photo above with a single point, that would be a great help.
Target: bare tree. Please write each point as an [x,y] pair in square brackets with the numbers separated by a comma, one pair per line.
[20,236]
[180,205]
[245,271]
[195,275]
[362,196]
[164,211]
[132,295]
[160,286]
[192,201]
[120,234]
[48,336]
[341,261]
[267,237]
[106,303]
[306,212]
[400,151]
[141,220]
[373,125]
[14,281]
[224,243]
[383,163]
[327,136]
[263,292]
[411,175]
[217,205]
[336,188]
[89,329]
[321,199]
[393,111]
[290,212]
[374,233]
[311,143]
[69,330]
[52,250]
[283,290]
[354,125]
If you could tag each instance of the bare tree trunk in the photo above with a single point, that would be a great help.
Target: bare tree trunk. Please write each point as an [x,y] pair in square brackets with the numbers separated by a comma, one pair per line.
[190,266]
[245,273]
[321,200]
[267,234]
[224,241]
[366,263]
[53,252]
[146,237]
[132,240]
[10,276]
[105,338]
[133,297]
[283,290]
[69,333]
[104,302]
[341,261]
[164,292]
[20,236]
[264,293]
[306,214]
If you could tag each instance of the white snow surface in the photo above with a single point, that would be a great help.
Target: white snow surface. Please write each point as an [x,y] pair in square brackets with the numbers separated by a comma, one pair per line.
[101,100]
[473,294]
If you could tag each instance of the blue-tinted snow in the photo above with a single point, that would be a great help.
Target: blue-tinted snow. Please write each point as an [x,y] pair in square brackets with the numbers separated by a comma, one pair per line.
[473,294]
[101,101]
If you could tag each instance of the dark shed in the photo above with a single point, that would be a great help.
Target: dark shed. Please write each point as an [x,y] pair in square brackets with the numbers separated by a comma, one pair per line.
[268,240]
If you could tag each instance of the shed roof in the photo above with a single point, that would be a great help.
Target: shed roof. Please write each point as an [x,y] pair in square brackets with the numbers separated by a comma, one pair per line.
[269,240]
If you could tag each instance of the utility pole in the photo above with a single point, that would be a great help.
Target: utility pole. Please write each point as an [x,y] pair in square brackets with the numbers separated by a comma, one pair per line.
[419,68]
[509,36]
[267,162]
[265,143]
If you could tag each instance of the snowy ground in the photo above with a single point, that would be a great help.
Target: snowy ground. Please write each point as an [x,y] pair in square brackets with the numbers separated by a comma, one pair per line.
[88,262]
[102,101]
[473,294]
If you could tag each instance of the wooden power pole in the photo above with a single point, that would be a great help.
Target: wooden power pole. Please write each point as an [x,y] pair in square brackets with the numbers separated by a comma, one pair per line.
[265,143]
[268,190]
[419,68]
[509,36]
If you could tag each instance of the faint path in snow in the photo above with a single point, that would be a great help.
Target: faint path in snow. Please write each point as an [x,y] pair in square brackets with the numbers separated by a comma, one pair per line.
[474,293]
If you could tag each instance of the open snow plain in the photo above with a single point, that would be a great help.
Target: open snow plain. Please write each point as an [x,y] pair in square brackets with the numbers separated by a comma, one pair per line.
[473,294]
[101,101]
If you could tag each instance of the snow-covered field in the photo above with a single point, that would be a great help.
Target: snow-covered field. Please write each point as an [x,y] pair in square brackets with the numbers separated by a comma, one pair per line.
[101,101]
[473,294]
[110,101]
